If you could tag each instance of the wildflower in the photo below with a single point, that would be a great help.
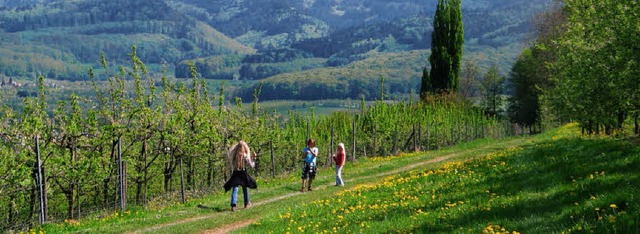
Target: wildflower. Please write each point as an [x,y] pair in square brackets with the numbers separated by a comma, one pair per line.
[613,206]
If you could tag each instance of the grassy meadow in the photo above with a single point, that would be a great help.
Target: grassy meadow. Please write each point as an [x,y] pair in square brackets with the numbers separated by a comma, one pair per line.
[556,182]
[561,185]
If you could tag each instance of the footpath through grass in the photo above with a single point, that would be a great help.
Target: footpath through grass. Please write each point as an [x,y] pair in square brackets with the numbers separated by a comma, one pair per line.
[554,182]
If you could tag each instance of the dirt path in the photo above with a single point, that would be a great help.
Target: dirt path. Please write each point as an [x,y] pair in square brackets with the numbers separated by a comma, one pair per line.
[244,223]
[230,227]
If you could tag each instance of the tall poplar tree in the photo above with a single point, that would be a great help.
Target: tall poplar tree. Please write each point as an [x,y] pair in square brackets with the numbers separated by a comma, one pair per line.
[456,43]
[447,40]
[439,58]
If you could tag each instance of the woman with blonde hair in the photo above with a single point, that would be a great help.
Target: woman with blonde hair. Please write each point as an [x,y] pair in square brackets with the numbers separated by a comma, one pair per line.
[239,156]
[339,159]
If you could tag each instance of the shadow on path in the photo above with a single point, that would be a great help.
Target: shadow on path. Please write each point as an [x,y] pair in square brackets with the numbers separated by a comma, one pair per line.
[216,209]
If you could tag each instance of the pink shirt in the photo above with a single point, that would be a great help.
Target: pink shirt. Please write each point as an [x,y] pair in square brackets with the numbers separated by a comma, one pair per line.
[339,159]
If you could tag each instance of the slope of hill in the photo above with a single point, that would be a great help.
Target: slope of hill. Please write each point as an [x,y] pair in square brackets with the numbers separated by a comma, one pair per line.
[495,30]
[360,75]
[78,31]
[356,80]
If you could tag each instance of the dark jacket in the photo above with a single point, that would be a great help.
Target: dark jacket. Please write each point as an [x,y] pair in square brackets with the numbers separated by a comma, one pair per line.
[240,178]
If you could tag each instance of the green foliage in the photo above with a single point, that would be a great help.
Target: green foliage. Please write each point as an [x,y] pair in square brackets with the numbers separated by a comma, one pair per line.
[224,67]
[456,43]
[585,64]
[447,42]
[492,91]
[596,74]
[470,80]
[524,103]
[425,84]
[257,71]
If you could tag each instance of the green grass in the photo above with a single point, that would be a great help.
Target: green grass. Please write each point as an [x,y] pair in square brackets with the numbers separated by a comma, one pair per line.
[553,182]
[558,185]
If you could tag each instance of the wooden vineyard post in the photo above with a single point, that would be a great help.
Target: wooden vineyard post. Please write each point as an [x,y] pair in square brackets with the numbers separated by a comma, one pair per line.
[331,146]
[353,154]
[364,151]
[124,186]
[273,162]
[375,139]
[419,137]
[123,179]
[184,199]
[428,144]
[395,140]
[40,178]
[415,139]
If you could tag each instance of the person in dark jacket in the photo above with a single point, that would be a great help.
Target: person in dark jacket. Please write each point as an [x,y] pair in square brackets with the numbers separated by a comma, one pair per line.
[240,157]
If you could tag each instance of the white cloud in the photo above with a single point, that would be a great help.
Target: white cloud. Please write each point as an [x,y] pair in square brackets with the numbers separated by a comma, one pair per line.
[308,3]
[335,11]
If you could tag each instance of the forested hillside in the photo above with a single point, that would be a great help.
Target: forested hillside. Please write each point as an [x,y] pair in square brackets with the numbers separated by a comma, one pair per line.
[245,40]
[62,39]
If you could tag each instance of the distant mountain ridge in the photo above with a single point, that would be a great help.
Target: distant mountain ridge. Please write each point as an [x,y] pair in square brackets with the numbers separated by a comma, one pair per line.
[82,29]
[246,39]
[21,3]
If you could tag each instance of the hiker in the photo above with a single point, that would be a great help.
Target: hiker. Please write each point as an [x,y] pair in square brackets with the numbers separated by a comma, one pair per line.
[309,168]
[339,159]
[239,157]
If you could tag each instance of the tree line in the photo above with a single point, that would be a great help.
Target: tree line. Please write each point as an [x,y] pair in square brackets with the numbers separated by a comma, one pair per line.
[583,67]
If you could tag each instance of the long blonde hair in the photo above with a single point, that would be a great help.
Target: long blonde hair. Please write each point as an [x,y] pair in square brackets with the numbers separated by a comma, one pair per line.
[237,154]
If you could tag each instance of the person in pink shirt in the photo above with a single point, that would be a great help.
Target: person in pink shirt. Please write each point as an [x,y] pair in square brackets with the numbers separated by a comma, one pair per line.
[339,159]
